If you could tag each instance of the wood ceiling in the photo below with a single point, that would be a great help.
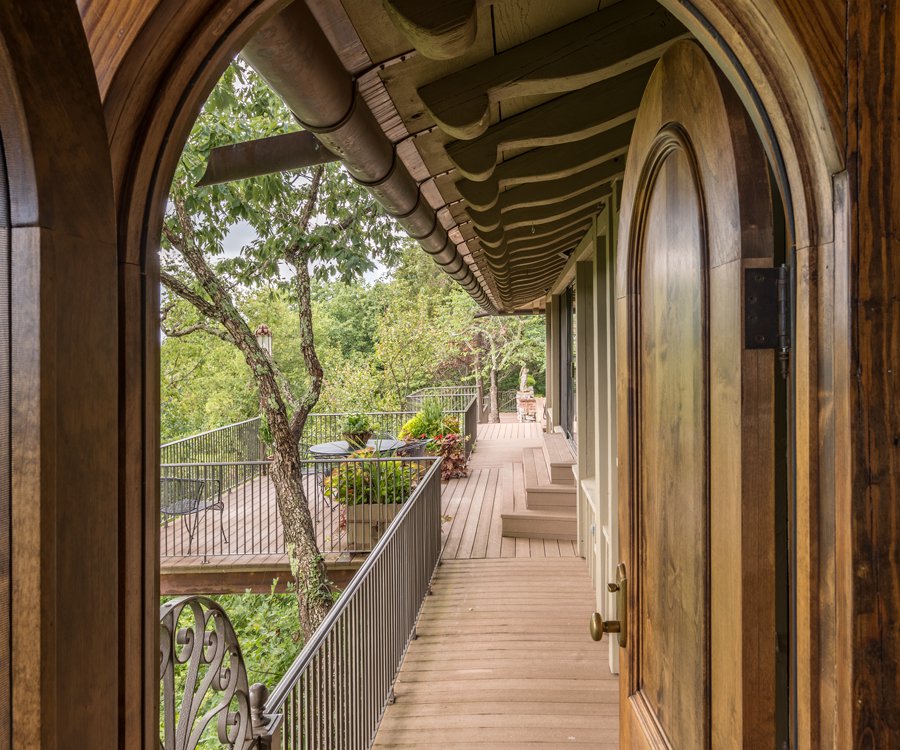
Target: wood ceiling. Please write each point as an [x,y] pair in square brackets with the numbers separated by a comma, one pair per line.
[515,115]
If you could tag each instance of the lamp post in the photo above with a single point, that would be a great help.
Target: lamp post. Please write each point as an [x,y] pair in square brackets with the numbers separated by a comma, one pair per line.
[264,338]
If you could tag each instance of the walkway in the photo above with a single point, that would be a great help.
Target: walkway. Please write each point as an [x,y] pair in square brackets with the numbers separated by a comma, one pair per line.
[503,656]
[472,506]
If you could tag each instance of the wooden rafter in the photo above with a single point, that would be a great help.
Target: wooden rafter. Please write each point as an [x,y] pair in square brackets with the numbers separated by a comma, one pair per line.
[539,247]
[543,214]
[601,46]
[440,31]
[538,194]
[548,163]
[573,117]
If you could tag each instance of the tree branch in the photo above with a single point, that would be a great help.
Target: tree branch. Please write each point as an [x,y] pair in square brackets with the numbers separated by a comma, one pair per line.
[176,333]
[176,286]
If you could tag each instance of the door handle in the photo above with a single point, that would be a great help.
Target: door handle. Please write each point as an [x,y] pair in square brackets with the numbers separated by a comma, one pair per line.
[599,626]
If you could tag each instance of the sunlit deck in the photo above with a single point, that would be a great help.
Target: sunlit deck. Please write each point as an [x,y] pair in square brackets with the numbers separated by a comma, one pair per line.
[503,656]
[504,659]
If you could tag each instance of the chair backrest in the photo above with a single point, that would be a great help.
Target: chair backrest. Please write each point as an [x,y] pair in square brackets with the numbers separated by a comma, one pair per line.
[415,449]
[177,495]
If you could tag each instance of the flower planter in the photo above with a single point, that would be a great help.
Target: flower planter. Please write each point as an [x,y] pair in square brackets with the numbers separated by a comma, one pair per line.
[367,523]
[357,440]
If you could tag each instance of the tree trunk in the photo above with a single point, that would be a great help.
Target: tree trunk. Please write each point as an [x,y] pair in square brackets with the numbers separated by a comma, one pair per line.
[479,386]
[495,394]
[307,565]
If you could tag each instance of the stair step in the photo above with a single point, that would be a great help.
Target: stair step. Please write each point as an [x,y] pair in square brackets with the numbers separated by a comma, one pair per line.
[558,457]
[541,524]
[540,492]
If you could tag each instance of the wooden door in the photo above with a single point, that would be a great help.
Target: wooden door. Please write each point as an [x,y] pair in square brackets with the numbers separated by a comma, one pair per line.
[695,420]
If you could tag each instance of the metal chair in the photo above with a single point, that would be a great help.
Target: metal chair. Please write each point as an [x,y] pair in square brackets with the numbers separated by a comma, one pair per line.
[413,449]
[187,499]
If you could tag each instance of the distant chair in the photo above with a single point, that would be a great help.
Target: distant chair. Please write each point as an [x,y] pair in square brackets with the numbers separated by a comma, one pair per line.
[187,499]
[413,449]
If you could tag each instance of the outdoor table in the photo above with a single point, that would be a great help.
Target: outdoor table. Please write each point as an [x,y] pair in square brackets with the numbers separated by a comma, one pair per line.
[342,449]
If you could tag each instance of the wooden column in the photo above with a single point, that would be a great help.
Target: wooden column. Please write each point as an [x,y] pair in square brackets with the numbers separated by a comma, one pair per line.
[66,647]
[873,159]
[585,377]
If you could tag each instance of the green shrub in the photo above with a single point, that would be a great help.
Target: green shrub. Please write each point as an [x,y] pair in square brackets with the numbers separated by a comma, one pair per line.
[373,482]
[430,421]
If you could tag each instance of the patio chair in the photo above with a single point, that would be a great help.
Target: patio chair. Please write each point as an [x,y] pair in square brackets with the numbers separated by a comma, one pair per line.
[187,499]
[413,449]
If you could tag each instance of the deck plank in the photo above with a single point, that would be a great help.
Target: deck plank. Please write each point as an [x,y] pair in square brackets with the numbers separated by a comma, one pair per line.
[503,658]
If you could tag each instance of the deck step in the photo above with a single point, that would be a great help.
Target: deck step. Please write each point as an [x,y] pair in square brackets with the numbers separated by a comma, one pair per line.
[541,524]
[540,492]
[559,458]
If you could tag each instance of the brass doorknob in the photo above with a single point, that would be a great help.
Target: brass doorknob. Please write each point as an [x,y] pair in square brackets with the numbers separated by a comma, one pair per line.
[599,626]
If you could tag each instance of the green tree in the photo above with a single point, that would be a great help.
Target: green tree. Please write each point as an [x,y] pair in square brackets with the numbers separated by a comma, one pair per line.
[313,222]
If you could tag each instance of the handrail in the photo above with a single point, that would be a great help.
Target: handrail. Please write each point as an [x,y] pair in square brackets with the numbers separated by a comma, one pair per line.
[416,529]
[209,432]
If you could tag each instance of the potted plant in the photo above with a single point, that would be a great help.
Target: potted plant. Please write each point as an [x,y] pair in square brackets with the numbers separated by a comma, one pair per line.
[371,494]
[357,430]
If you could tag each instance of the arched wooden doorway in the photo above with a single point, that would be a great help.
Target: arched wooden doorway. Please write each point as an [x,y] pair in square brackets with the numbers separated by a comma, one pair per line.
[154,78]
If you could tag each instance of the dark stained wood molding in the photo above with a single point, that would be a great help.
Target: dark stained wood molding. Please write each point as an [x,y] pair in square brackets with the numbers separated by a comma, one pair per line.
[573,117]
[440,31]
[595,48]
[67,587]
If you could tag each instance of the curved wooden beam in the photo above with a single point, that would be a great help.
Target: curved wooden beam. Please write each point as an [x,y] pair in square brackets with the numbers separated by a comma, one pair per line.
[545,164]
[572,117]
[591,201]
[523,236]
[539,247]
[546,193]
[439,31]
[591,49]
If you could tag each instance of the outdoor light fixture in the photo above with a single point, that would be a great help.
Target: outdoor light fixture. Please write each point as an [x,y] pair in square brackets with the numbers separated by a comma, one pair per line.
[264,338]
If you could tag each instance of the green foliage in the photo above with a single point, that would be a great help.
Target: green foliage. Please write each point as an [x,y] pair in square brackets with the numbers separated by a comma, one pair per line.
[381,482]
[357,423]
[430,421]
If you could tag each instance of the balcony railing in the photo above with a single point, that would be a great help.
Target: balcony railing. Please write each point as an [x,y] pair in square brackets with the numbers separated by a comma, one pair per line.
[229,508]
[335,693]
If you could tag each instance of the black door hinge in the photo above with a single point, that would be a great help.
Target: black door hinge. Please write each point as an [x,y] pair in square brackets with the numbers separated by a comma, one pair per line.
[767,312]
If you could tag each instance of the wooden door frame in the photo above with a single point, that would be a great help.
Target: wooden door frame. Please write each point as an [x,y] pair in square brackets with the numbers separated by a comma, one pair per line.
[66,665]
[156,68]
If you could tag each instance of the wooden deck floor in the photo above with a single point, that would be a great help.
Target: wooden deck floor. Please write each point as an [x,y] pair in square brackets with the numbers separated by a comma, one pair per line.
[472,506]
[504,659]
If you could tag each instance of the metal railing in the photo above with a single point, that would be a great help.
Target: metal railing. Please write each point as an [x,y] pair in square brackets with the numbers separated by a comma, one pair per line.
[351,501]
[506,400]
[197,644]
[335,693]
[233,442]
[451,398]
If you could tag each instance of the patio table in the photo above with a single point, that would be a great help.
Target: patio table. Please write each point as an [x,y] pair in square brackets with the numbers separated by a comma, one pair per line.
[342,449]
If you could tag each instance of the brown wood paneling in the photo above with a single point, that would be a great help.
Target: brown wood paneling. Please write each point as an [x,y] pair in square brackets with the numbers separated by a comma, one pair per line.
[820,25]
[874,164]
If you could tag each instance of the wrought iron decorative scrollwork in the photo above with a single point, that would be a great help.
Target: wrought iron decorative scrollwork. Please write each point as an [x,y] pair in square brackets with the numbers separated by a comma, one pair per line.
[196,635]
